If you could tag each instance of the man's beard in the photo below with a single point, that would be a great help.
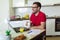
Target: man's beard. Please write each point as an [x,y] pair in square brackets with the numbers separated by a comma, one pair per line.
[35,12]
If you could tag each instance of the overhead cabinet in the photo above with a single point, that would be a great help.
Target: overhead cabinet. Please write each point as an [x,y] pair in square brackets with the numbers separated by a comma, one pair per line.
[18,3]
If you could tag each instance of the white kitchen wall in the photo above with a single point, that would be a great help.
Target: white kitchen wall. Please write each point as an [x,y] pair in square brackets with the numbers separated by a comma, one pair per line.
[4,14]
[51,11]
[23,11]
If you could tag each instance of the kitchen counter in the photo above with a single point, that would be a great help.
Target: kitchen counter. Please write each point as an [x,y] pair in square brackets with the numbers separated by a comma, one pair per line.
[25,33]
[52,17]
[28,19]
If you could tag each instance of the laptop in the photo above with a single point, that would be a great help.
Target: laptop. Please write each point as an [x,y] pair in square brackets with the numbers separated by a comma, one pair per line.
[16,25]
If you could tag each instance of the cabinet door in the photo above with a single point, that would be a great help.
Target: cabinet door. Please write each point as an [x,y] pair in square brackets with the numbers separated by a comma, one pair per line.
[18,3]
[43,2]
[50,2]
[50,26]
[47,2]
[56,1]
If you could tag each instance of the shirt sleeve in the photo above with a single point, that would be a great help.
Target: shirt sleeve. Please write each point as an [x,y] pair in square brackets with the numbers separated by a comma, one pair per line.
[43,18]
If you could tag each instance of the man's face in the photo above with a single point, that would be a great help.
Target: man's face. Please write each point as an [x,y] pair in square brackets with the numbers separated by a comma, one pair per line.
[35,8]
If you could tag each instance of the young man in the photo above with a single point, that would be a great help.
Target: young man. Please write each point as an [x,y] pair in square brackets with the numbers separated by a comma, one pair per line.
[38,18]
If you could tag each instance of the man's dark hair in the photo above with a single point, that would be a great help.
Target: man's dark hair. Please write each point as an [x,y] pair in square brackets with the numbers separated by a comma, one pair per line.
[38,4]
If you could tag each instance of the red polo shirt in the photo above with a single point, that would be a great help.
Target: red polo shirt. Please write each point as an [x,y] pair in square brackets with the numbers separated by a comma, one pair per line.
[36,20]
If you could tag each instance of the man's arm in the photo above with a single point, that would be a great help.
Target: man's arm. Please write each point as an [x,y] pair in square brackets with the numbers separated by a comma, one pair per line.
[42,26]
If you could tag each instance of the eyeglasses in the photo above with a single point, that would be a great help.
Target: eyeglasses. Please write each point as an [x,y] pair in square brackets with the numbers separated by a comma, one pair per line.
[34,7]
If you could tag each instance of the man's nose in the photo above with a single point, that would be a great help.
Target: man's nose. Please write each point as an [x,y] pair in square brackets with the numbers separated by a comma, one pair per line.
[32,8]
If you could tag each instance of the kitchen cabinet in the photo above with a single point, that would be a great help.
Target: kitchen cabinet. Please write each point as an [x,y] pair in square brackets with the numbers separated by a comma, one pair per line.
[50,26]
[57,25]
[18,3]
[56,1]
[50,2]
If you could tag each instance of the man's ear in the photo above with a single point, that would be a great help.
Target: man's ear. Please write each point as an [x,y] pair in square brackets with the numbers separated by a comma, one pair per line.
[38,8]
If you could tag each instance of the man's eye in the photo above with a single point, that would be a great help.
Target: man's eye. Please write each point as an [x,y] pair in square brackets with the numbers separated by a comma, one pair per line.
[34,7]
